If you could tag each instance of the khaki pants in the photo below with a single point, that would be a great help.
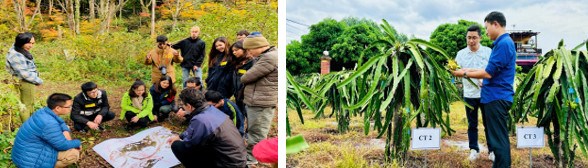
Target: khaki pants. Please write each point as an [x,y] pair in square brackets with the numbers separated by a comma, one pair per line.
[65,158]
[259,121]
[27,93]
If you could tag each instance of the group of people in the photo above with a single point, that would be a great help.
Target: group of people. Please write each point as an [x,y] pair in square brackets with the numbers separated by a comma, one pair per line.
[216,135]
[247,70]
[495,70]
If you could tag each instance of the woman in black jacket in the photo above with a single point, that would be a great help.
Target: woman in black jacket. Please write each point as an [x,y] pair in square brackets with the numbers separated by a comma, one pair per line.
[241,64]
[220,71]
[164,94]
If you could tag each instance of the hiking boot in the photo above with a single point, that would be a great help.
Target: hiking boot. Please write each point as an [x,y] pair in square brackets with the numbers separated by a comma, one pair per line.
[474,155]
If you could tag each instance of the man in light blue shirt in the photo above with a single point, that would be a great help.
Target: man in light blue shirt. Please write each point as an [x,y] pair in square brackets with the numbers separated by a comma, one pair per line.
[473,56]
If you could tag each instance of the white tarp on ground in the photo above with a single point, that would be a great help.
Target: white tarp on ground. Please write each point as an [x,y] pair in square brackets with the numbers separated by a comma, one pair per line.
[148,148]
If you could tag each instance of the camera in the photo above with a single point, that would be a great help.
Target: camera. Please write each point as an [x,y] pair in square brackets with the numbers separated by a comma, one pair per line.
[163,70]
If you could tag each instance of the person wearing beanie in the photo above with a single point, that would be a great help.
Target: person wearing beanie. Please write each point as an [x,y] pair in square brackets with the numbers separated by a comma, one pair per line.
[255,41]
[90,108]
[261,90]
[162,58]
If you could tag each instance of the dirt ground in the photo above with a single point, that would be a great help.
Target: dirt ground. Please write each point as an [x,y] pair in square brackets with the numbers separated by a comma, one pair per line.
[330,148]
[115,127]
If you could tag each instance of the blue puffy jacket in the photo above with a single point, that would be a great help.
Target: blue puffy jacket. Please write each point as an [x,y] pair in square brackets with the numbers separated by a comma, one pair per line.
[39,139]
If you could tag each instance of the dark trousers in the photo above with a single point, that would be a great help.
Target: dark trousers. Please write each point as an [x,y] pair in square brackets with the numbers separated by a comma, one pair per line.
[498,141]
[241,124]
[472,115]
[241,106]
[82,126]
[162,112]
[193,156]
[141,123]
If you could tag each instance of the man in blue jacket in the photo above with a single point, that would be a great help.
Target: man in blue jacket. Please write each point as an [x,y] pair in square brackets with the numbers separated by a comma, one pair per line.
[211,139]
[497,91]
[44,140]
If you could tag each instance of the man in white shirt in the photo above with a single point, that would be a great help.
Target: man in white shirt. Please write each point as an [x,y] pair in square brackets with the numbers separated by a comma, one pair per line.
[473,56]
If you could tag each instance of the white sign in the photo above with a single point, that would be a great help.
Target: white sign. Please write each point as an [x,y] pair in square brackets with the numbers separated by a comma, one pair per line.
[148,148]
[425,138]
[530,137]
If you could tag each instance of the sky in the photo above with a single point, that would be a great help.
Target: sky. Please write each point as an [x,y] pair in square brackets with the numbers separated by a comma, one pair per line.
[555,20]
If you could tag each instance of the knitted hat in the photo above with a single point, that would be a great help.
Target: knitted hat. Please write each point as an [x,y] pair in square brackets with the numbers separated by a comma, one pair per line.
[255,41]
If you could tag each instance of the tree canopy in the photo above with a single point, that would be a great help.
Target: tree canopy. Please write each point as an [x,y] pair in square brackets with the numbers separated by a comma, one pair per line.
[346,40]
[452,37]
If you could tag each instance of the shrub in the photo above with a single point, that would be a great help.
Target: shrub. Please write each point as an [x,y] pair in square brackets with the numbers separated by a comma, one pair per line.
[112,57]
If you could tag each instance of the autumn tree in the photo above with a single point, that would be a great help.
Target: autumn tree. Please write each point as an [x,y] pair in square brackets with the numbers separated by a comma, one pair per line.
[106,11]
[20,7]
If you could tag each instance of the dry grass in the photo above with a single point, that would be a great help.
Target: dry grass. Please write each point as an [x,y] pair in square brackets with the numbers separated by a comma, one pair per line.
[329,148]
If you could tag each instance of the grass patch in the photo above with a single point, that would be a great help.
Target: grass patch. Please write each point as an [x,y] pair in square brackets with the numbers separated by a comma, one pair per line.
[355,149]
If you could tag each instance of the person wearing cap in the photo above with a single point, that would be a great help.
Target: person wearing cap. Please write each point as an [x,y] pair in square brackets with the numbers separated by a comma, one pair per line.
[261,90]
[161,59]
[90,108]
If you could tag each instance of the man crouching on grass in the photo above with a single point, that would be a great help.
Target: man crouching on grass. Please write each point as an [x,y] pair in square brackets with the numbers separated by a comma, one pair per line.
[211,139]
[44,139]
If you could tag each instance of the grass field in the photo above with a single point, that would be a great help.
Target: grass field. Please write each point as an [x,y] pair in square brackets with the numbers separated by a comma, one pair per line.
[114,128]
[329,148]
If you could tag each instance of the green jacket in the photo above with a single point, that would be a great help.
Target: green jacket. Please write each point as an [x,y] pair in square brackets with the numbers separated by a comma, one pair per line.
[127,105]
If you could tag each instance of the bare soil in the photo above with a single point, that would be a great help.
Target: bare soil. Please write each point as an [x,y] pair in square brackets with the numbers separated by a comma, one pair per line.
[115,127]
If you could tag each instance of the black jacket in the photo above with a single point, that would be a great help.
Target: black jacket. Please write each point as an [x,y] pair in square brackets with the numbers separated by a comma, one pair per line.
[239,87]
[192,51]
[84,106]
[161,99]
[220,77]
